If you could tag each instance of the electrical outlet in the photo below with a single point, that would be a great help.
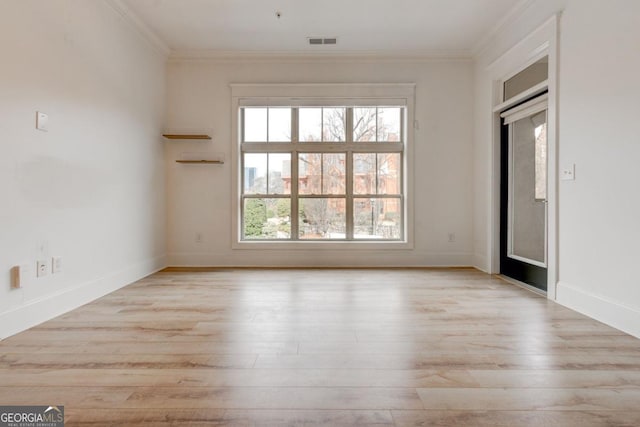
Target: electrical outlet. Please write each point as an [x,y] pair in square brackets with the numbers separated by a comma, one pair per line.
[452,237]
[56,264]
[42,268]
[199,237]
[568,173]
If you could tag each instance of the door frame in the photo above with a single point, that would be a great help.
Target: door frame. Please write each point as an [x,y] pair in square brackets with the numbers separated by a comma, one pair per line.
[530,272]
[541,42]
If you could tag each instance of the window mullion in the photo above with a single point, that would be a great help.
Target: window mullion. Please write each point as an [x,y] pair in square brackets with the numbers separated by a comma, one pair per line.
[403,125]
[322,173]
[348,133]
[295,114]
[322,125]
[268,178]
[376,172]
[267,136]
[349,196]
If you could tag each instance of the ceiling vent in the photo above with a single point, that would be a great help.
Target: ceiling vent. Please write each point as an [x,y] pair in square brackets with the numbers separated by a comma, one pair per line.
[322,40]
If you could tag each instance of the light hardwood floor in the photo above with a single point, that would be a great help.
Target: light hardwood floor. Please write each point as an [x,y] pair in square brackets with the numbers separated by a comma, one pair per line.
[439,347]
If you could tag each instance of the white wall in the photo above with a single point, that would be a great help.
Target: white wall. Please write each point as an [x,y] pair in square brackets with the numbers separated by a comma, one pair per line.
[598,105]
[199,197]
[91,189]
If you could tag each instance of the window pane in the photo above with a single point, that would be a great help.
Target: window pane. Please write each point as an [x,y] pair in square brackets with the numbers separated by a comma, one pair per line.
[334,124]
[333,173]
[529,77]
[255,173]
[280,173]
[255,124]
[322,218]
[540,130]
[376,209]
[310,173]
[267,219]
[389,173]
[377,218]
[526,236]
[364,124]
[310,122]
[364,173]
[389,124]
[279,124]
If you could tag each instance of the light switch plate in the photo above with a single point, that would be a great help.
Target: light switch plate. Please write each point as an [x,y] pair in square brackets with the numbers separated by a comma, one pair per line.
[56,264]
[42,121]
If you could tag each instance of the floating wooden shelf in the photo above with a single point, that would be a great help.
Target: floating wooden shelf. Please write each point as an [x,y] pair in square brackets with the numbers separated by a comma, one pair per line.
[202,162]
[180,136]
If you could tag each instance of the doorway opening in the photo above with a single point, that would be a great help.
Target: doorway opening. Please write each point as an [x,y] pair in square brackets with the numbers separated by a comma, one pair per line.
[523,192]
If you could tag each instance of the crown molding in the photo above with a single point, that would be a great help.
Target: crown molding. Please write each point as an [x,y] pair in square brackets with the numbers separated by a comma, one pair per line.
[514,13]
[220,56]
[134,21]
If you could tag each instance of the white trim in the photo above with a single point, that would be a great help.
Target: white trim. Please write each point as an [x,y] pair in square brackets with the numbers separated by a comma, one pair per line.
[533,91]
[527,260]
[511,116]
[525,110]
[534,56]
[136,23]
[613,313]
[222,56]
[334,245]
[35,312]
[320,91]
[321,102]
[541,42]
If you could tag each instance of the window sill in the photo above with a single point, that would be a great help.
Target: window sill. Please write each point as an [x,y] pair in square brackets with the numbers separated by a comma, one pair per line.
[319,245]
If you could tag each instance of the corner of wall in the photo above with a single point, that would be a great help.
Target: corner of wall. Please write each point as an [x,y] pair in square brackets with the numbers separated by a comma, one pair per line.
[480,262]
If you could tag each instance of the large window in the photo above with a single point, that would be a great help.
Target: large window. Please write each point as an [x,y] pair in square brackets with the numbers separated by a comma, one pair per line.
[322,173]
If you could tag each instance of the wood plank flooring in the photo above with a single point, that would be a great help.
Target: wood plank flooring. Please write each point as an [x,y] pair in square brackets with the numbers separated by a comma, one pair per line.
[433,347]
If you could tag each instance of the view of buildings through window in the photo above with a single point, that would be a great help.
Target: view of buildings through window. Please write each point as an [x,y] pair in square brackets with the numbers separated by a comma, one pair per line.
[322,173]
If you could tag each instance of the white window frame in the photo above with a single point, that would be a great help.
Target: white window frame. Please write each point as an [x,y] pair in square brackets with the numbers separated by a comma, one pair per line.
[273,95]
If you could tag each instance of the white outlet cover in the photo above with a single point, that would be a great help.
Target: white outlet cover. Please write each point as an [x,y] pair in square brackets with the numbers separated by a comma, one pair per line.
[42,121]
[42,268]
[568,173]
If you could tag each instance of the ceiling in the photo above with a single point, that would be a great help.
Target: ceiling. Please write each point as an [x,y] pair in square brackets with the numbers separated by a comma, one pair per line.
[429,27]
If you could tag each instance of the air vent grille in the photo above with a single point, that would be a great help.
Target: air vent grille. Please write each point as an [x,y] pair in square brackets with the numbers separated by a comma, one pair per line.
[322,40]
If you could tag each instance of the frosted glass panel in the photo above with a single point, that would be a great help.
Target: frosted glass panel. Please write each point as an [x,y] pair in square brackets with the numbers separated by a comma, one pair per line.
[527,78]
[527,188]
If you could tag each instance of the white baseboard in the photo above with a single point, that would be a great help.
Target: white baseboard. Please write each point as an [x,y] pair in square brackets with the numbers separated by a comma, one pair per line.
[320,259]
[602,309]
[35,312]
